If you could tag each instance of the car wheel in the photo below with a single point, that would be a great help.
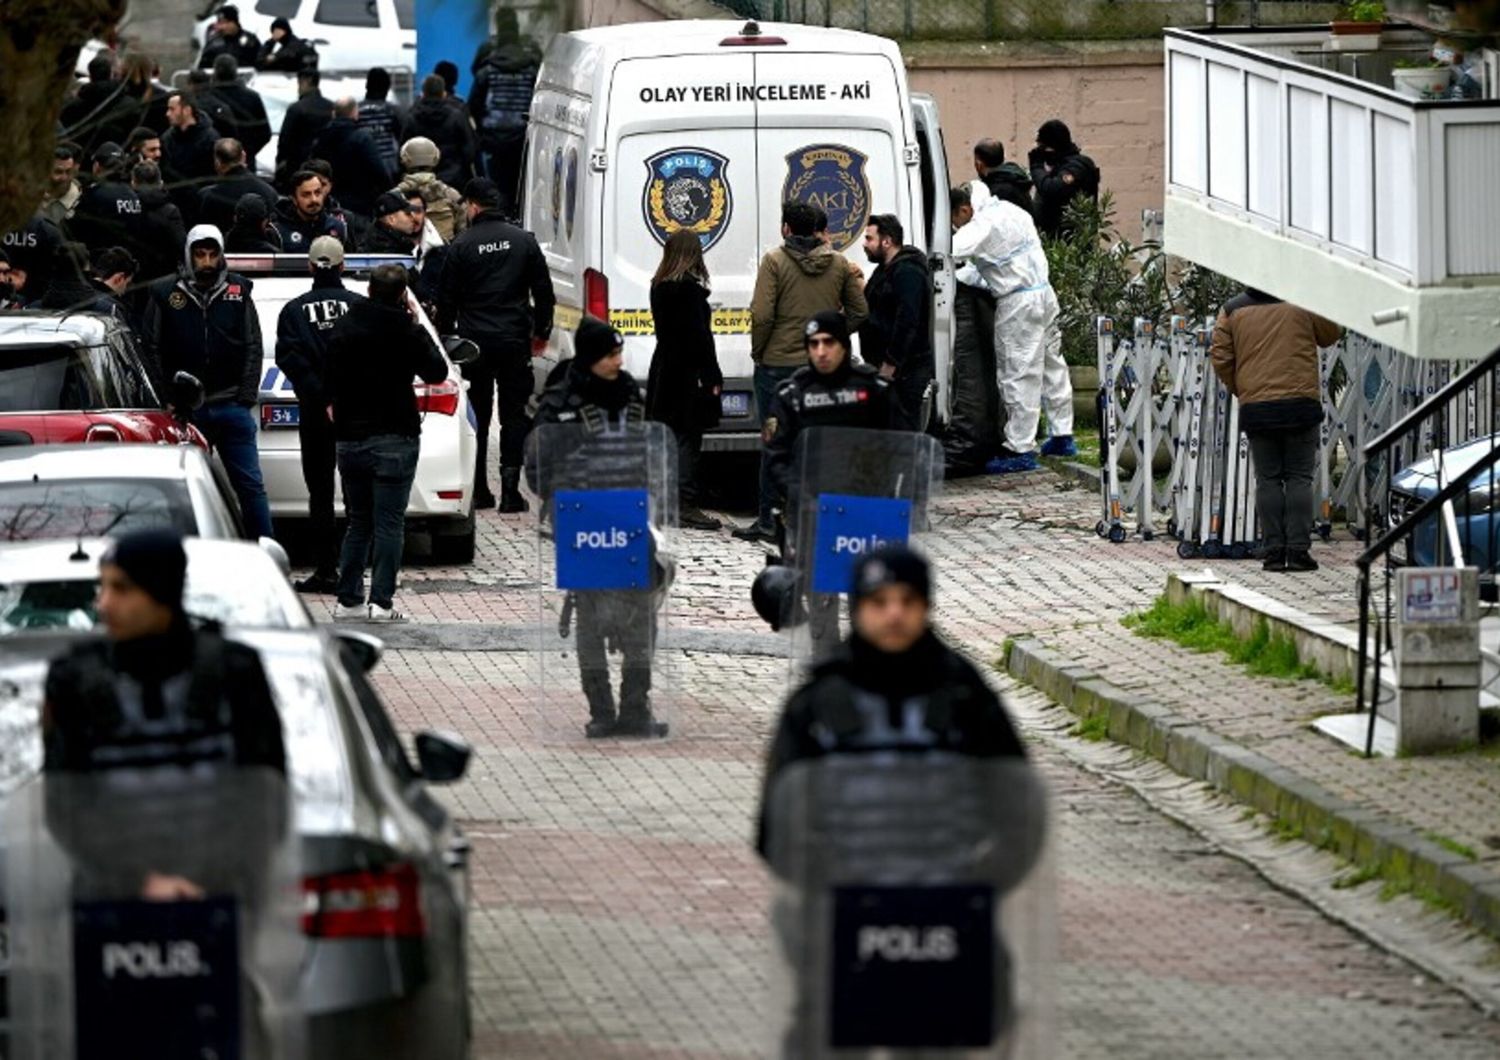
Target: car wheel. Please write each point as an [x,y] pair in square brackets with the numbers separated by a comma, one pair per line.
[454,542]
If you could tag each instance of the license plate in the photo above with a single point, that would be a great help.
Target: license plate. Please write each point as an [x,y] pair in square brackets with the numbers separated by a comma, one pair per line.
[280,416]
[735,404]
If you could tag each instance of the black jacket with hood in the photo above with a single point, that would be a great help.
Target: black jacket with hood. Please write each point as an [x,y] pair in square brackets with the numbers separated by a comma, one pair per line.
[448,127]
[213,333]
[899,330]
[359,172]
[162,234]
[303,330]
[500,99]
[373,352]
[1010,182]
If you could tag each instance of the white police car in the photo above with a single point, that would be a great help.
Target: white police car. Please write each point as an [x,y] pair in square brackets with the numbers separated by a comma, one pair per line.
[351,35]
[442,496]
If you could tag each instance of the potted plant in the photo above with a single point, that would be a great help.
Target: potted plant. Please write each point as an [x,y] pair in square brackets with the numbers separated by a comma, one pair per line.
[1358,28]
[1423,78]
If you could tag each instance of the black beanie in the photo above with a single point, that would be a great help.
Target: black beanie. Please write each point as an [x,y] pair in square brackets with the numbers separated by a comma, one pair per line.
[891,565]
[1054,134]
[830,322]
[281,24]
[593,341]
[154,559]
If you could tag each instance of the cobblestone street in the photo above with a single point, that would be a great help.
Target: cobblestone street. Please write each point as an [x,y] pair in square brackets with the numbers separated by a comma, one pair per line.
[619,910]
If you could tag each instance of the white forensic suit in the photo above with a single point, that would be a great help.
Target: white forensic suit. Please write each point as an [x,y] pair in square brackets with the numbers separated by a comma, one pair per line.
[1001,243]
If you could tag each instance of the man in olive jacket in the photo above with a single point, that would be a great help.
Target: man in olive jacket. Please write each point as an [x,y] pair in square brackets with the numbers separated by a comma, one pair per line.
[798,280]
[1265,352]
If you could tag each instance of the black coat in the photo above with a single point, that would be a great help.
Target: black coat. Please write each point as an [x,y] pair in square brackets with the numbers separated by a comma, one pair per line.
[373,352]
[899,330]
[109,214]
[243,117]
[189,152]
[685,366]
[304,120]
[960,713]
[244,46]
[380,239]
[297,233]
[1010,183]
[302,333]
[359,173]
[1071,173]
[449,128]
[496,287]
[216,201]
[164,235]
[289,54]
[250,240]
[213,334]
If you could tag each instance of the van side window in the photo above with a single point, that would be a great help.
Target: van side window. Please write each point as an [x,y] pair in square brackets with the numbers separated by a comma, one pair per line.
[928,190]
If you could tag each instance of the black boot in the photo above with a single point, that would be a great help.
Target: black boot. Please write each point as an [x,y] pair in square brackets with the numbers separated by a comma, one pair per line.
[483,498]
[636,718]
[601,705]
[510,491]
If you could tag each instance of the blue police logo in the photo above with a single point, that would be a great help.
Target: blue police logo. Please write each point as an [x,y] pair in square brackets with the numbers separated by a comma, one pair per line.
[687,189]
[557,192]
[832,177]
[571,193]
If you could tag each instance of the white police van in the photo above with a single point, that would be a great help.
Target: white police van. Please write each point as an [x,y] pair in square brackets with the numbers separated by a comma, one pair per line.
[640,130]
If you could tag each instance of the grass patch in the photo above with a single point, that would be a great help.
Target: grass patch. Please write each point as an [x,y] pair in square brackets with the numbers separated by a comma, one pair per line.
[1453,846]
[1360,874]
[1093,728]
[1005,646]
[1263,653]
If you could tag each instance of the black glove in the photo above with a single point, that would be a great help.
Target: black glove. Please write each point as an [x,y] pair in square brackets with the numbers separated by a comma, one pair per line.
[1039,155]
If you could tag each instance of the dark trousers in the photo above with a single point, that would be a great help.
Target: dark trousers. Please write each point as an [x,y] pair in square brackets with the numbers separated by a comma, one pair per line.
[689,448]
[319,459]
[625,621]
[1284,464]
[767,379]
[907,390]
[377,474]
[500,160]
[505,369]
[231,430]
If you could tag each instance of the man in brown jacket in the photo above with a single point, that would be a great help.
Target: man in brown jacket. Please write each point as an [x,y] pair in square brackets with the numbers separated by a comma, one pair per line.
[798,280]
[1266,352]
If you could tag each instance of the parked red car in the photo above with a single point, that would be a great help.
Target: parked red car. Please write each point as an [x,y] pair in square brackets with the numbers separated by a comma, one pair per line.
[78,377]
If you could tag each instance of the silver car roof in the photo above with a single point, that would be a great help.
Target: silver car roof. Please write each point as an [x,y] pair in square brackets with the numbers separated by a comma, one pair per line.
[61,462]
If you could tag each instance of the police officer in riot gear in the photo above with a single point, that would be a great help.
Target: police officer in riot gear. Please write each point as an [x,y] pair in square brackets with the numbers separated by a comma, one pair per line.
[156,691]
[892,684]
[598,394]
[832,391]
[302,332]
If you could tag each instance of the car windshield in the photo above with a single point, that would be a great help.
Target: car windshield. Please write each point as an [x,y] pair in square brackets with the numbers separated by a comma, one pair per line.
[277,9]
[53,378]
[406,13]
[44,511]
[226,593]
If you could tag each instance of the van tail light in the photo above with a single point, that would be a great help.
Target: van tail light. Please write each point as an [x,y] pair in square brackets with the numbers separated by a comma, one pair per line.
[441,397]
[382,903]
[596,294]
[102,432]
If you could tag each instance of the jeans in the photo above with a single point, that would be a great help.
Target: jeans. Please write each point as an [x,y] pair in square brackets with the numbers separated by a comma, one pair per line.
[231,430]
[767,379]
[507,370]
[377,474]
[1284,463]
[319,458]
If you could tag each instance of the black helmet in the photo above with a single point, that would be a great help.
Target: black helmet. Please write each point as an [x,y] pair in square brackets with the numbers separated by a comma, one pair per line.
[777,597]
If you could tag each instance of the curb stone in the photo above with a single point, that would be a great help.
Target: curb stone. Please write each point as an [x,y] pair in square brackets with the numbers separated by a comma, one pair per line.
[1363,836]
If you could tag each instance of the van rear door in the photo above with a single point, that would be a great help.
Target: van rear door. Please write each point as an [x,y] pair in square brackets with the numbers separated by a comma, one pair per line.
[682,155]
[934,175]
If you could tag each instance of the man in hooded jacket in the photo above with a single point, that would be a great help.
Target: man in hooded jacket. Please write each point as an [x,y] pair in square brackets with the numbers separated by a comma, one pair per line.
[500,102]
[202,321]
[1005,180]
[897,338]
[1061,172]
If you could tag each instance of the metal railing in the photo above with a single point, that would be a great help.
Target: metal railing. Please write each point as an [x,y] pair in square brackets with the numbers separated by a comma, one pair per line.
[1440,513]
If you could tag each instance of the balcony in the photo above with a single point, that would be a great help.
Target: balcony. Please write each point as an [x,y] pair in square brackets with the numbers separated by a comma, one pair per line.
[1301,171]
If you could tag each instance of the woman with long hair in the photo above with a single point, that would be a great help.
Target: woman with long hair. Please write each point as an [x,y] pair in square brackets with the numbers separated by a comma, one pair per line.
[682,390]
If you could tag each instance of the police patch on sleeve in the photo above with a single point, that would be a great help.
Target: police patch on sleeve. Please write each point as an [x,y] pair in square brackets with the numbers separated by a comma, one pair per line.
[687,188]
[831,177]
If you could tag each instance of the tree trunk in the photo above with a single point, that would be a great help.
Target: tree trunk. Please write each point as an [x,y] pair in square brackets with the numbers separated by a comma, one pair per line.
[39,45]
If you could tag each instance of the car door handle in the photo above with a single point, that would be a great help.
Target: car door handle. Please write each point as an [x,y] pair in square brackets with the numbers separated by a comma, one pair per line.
[457,854]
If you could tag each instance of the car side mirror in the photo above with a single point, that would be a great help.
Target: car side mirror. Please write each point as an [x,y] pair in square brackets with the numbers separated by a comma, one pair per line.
[271,547]
[186,393]
[366,649]
[443,756]
[460,351]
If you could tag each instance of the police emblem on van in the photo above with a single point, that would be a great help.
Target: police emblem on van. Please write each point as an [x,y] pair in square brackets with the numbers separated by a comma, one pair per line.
[831,177]
[687,188]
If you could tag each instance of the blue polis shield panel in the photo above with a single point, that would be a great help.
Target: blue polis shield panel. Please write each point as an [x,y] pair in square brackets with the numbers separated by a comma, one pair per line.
[849,527]
[603,539]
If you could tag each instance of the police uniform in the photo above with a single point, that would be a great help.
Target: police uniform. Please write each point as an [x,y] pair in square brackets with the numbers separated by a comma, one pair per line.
[302,354]
[626,620]
[496,290]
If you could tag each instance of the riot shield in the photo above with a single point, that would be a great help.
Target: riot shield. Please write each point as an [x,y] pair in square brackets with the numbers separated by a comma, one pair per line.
[606,528]
[912,909]
[852,491]
[153,913]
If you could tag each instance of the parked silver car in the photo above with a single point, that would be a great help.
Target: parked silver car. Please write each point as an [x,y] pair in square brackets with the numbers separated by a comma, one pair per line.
[385,870]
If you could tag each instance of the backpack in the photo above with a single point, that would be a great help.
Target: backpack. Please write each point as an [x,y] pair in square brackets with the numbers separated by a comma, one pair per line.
[442,204]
